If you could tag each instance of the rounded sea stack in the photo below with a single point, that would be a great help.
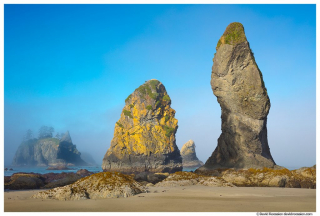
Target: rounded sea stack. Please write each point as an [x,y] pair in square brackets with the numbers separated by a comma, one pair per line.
[144,137]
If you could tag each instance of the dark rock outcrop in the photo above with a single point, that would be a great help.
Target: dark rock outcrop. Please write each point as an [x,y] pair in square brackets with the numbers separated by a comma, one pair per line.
[144,137]
[48,152]
[189,157]
[237,83]
[22,181]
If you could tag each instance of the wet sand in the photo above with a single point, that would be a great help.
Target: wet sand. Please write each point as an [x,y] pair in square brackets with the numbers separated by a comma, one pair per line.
[176,199]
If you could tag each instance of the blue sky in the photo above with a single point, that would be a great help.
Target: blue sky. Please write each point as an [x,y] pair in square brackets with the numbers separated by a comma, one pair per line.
[72,66]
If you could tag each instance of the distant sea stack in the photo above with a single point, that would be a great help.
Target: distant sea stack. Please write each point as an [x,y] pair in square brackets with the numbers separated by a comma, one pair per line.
[237,83]
[48,152]
[188,154]
[144,137]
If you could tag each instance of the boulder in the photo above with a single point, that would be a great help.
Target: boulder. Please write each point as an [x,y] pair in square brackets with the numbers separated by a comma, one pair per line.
[189,157]
[144,137]
[84,172]
[150,177]
[238,84]
[97,186]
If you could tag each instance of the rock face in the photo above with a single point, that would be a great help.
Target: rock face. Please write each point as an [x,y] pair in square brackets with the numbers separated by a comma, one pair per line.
[144,137]
[188,154]
[48,152]
[97,186]
[237,83]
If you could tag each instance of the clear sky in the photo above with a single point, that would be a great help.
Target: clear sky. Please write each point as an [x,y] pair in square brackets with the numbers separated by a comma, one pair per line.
[72,66]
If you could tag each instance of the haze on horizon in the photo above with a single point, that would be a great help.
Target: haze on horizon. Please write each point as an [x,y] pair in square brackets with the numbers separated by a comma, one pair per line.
[72,66]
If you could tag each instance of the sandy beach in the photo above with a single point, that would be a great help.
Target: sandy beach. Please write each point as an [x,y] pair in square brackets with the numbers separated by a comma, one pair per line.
[177,199]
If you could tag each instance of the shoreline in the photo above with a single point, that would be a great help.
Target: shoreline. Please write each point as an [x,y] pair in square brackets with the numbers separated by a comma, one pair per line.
[195,198]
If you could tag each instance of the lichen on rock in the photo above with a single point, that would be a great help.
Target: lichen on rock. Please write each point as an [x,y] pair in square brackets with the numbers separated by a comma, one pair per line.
[237,83]
[97,186]
[188,154]
[144,136]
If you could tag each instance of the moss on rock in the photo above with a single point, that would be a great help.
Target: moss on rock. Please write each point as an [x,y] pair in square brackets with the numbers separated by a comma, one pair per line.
[234,34]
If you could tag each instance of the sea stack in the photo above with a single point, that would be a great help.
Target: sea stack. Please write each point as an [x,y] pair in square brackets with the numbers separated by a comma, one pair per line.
[189,157]
[48,151]
[238,84]
[144,137]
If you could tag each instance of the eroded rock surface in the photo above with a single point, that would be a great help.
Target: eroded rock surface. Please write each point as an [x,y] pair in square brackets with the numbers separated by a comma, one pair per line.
[97,186]
[237,83]
[188,154]
[144,137]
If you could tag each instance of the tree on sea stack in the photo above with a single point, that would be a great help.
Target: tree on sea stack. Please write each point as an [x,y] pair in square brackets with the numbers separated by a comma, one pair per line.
[238,84]
[144,137]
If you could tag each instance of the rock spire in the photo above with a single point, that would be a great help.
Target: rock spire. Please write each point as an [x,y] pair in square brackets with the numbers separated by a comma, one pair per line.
[237,83]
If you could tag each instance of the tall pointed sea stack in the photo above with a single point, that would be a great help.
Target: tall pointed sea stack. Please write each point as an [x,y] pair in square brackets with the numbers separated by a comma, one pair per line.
[237,83]
[144,137]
